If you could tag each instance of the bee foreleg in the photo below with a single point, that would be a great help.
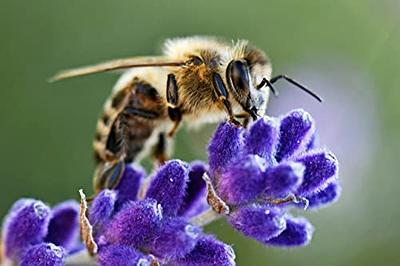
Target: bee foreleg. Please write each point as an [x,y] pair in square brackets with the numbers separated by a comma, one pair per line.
[223,98]
[174,112]
[245,117]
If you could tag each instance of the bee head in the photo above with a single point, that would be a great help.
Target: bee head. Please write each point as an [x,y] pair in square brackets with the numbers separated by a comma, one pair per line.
[239,80]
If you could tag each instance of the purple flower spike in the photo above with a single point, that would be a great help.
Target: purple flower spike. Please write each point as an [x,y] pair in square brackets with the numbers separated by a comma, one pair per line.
[195,199]
[296,131]
[283,179]
[177,238]
[262,138]
[243,181]
[258,222]
[298,232]
[208,251]
[102,208]
[27,225]
[224,146]
[326,196]
[137,223]
[129,185]
[169,186]
[64,225]
[45,254]
[320,168]
[121,255]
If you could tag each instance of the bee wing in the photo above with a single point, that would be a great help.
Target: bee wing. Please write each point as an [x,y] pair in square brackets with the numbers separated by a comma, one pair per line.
[123,63]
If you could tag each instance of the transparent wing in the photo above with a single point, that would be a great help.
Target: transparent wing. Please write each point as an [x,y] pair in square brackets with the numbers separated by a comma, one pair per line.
[124,63]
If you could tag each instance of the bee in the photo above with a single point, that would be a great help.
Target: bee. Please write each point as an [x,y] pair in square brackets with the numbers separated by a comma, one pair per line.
[197,80]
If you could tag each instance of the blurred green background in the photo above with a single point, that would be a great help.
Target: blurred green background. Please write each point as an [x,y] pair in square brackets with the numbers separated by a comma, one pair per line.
[352,46]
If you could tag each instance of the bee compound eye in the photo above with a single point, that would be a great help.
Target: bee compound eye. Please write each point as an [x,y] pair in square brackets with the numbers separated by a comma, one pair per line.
[239,75]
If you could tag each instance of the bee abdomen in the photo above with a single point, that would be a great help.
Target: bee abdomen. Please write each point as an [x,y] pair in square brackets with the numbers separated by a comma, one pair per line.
[127,122]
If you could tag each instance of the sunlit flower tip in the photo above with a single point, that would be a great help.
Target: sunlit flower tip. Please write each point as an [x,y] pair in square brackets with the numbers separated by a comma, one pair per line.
[121,255]
[129,184]
[324,197]
[321,167]
[208,251]
[168,186]
[102,208]
[262,137]
[44,254]
[296,130]
[176,239]
[136,224]
[195,201]
[26,225]
[298,232]
[283,179]
[258,221]
[225,145]
[243,181]
[64,225]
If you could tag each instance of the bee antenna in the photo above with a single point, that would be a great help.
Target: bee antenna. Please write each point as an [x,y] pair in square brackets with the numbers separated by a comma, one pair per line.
[297,84]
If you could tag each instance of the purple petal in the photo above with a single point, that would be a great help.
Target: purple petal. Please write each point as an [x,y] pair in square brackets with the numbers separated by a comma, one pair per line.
[262,138]
[129,185]
[121,255]
[326,196]
[224,146]
[243,181]
[312,144]
[320,168]
[176,239]
[44,254]
[296,130]
[102,208]
[298,232]
[168,186]
[137,223]
[208,251]
[195,201]
[258,222]
[283,179]
[64,225]
[26,225]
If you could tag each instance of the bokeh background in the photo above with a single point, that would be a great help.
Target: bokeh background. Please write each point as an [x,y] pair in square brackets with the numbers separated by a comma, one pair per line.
[347,51]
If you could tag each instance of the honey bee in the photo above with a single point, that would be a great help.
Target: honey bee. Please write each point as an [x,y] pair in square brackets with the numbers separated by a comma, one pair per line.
[197,80]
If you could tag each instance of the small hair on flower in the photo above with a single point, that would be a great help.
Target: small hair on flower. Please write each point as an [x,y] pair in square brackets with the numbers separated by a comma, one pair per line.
[261,172]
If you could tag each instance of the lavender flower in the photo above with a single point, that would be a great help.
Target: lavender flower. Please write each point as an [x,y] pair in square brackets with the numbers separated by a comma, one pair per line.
[35,235]
[257,174]
[133,230]
[254,177]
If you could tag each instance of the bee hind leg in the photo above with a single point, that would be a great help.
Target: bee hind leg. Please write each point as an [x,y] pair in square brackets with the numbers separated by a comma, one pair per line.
[108,175]
[160,150]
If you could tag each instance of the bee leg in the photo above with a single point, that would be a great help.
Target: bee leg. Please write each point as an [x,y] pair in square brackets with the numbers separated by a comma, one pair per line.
[245,117]
[223,98]
[160,149]
[174,112]
[108,175]
[176,116]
